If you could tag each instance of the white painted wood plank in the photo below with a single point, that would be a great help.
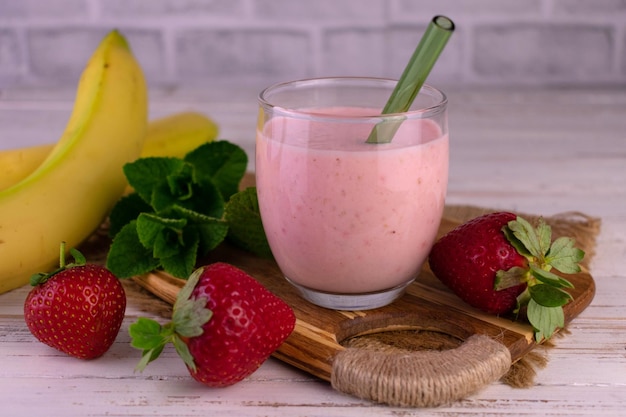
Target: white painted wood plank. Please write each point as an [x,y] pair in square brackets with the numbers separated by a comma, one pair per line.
[573,148]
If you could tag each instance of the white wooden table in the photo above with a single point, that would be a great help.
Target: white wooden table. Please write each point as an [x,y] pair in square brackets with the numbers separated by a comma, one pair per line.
[533,151]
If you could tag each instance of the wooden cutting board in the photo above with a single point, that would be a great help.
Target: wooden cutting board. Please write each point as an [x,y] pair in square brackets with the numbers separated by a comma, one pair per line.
[433,377]
[320,334]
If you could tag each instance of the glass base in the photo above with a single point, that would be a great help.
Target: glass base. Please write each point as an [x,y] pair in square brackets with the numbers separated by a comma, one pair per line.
[366,301]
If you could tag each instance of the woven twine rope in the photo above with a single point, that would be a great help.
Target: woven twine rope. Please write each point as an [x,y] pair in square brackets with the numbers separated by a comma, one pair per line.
[422,378]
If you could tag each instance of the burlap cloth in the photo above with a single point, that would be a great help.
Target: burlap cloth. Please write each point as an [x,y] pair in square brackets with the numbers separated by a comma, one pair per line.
[583,228]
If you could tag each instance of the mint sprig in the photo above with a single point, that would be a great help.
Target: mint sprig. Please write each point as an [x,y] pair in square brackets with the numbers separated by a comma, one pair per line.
[545,294]
[176,213]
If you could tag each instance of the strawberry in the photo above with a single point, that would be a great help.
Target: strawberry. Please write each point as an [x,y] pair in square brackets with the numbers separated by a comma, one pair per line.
[225,324]
[77,309]
[499,263]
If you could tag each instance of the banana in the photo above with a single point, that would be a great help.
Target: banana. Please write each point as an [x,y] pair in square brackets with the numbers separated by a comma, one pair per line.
[173,135]
[67,197]
[178,134]
[17,164]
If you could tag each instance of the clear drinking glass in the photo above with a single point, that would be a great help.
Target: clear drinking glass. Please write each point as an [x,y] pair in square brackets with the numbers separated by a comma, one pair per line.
[350,223]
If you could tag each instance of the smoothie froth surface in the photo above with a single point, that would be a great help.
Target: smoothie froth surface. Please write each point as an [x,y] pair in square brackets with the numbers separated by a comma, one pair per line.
[335,128]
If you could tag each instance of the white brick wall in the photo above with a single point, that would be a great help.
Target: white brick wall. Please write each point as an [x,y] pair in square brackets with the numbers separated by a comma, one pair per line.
[200,42]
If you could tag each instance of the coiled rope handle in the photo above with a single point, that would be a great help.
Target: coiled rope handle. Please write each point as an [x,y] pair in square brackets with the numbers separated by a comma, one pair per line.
[423,378]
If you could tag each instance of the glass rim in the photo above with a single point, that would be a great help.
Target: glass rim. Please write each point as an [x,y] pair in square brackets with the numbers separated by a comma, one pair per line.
[421,112]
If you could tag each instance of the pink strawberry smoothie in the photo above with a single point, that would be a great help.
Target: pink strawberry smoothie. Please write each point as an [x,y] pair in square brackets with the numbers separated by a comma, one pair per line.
[344,216]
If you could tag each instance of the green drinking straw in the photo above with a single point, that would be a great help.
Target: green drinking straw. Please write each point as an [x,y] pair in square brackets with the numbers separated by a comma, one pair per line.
[413,77]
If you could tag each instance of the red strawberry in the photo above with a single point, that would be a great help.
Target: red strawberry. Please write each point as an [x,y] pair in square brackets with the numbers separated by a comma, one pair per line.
[225,324]
[499,263]
[468,258]
[77,309]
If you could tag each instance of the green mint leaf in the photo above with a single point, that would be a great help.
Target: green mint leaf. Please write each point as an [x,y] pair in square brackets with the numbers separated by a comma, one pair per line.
[549,296]
[176,213]
[221,162]
[146,174]
[202,197]
[127,257]
[245,226]
[207,200]
[550,278]
[126,210]
[180,183]
[181,264]
[151,227]
[212,231]
[545,320]
[564,257]
[511,278]
[527,235]
[176,187]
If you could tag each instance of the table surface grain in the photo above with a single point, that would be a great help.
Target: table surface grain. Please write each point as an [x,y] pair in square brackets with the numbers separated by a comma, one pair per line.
[534,151]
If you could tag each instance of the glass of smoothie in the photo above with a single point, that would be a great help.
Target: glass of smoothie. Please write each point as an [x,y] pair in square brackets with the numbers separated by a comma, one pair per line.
[350,222]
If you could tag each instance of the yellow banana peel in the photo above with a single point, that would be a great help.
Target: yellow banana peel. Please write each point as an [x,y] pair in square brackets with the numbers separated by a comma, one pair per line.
[173,135]
[70,193]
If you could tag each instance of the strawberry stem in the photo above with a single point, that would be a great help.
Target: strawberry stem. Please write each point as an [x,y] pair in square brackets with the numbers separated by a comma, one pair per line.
[41,277]
[62,256]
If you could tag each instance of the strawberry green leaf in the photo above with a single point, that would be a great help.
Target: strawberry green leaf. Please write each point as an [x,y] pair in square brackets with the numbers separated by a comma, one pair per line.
[522,300]
[148,356]
[511,278]
[532,240]
[79,258]
[150,337]
[246,228]
[550,278]
[564,256]
[190,314]
[185,292]
[515,242]
[145,334]
[544,236]
[545,320]
[549,296]
[184,353]
[41,277]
